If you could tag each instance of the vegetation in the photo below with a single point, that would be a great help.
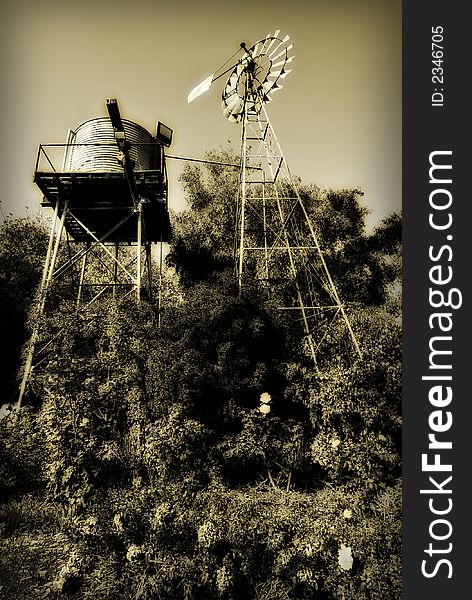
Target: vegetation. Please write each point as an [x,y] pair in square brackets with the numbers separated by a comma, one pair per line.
[23,246]
[147,468]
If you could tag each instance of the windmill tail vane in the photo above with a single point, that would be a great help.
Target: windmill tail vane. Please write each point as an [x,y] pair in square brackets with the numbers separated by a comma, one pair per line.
[206,84]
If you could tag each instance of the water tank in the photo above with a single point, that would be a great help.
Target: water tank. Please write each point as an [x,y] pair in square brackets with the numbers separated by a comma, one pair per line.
[94,147]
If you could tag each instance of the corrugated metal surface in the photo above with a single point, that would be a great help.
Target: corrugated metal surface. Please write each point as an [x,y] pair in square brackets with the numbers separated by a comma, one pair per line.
[102,156]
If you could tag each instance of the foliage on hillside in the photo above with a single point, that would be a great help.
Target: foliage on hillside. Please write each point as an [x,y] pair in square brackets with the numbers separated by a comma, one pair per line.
[149,470]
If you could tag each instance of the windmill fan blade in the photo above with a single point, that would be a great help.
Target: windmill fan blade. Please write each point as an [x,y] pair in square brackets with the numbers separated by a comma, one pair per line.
[233,103]
[278,44]
[233,110]
[200,89]
[281,63]
[274,75]
[257,48]
[273,39]
[269,46]
[264,42]
[233,80]
[282,52]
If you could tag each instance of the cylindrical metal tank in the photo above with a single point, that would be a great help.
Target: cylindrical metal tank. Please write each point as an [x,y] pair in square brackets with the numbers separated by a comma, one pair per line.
[100,151]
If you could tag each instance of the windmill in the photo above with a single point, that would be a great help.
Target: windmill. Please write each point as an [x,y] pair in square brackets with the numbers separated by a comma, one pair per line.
[275,238]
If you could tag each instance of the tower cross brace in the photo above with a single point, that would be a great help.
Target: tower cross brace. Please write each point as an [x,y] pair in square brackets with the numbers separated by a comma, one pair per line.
[276,240]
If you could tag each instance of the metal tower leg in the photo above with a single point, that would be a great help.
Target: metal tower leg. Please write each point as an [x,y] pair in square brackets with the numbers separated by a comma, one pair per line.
[269,195]
[138,255]
[115,269]
[81,280]
[149,270]
[48,271]
[242,206]
[159,304]
[314,237]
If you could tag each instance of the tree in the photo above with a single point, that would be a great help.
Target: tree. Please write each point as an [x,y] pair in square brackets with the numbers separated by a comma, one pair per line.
[23,244]
[203,235]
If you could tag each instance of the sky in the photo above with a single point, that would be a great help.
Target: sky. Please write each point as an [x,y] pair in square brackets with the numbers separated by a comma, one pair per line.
[338,117]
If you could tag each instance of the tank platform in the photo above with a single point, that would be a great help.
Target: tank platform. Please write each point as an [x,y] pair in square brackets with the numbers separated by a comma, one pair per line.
[102,200]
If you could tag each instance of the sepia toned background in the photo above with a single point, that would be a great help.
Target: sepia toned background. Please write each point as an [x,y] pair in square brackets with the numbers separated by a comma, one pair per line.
[338,117]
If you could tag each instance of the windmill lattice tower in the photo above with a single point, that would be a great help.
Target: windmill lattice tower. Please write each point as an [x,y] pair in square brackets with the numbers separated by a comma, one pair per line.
[275,238]
[110,205]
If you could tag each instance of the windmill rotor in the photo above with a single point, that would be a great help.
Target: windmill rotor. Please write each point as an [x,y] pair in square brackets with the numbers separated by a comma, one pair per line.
[253,78]
[256,76]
